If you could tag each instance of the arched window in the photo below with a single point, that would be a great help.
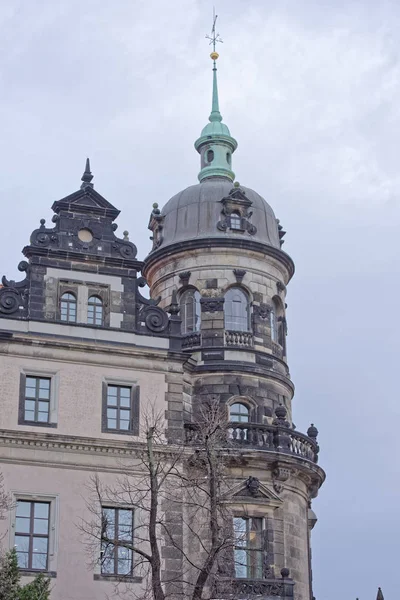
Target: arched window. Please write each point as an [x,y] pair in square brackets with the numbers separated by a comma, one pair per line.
[236,221]
[68,307]
[236,310]
[210,156]
[95,311]
[190,311]
[239,413]
[273,324]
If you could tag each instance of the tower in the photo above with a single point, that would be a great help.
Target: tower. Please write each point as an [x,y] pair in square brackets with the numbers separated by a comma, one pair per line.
[218,246]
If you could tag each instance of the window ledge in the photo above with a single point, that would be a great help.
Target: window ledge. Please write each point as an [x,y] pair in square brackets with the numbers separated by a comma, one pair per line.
[117,578]
[36,423]
[120,431]
[34,573]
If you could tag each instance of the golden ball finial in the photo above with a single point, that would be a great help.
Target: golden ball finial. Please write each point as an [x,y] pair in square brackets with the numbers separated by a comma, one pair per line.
[214,55]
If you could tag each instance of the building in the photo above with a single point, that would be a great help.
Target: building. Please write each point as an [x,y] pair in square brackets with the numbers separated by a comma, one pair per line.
[84,353]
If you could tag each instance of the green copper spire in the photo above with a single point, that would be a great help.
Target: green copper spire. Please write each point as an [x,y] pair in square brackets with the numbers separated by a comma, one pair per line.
[215,115]
[215,144]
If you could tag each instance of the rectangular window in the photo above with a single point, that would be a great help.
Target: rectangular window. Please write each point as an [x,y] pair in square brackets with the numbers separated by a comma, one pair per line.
[119,407]
[248,547]
[37,399]
[117,537]
[31,539]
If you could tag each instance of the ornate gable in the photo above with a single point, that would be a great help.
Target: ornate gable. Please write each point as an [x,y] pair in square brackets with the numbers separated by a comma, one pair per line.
[253,491]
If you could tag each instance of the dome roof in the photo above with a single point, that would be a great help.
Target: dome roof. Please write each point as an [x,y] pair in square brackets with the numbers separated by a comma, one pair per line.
[196,212]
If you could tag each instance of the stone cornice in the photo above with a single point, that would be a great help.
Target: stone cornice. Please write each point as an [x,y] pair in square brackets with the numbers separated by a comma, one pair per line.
[100,349]
[220,242]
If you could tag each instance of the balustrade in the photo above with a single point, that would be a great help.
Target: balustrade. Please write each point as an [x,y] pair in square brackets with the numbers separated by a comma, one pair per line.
[239,338]
[275,438]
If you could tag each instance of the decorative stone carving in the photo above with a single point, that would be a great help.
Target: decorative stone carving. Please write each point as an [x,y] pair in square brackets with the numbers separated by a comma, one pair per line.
[253,485]
[156,225]
[281,233]
[239,274]
[14,295]
[280,474]
[280,287]
[156,319]
[184,277]
[262,310]
[212,304]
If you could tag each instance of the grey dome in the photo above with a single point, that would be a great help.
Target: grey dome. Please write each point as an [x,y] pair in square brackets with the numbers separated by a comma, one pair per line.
[195,212]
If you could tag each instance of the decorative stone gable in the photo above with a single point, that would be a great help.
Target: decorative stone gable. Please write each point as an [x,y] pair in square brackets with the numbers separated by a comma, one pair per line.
[82,256]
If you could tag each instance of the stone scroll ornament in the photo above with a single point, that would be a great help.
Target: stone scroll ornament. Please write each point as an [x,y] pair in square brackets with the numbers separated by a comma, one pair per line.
[14,295]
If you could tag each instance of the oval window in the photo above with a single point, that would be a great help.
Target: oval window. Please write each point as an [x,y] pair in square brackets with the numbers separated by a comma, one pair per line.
[210,156]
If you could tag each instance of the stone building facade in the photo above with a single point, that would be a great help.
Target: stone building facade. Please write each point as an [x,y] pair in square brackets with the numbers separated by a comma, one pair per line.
[84,354]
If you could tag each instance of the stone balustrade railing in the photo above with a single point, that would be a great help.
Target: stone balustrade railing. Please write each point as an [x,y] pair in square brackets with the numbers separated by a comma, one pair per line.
[247,588]
[276,438]
[242,339]
[191,339]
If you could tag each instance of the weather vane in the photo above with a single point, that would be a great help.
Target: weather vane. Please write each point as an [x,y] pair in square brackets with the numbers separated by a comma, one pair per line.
[214,37]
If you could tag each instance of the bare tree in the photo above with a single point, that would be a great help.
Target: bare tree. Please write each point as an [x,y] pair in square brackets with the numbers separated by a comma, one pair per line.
[175,492]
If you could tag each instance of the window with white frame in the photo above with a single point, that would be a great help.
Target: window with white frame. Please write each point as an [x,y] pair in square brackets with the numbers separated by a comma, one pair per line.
[190,311]
[116,541]
[236,310]
[248,547]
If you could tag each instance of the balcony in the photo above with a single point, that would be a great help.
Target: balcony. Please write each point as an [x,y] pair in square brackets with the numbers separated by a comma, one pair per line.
[239,339]
[278,437]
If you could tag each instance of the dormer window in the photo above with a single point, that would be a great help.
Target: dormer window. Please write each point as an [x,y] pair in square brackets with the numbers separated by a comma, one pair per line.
[95,311]
[68,307]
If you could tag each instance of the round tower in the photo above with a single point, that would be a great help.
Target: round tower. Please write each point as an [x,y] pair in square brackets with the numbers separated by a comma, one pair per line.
[217,246]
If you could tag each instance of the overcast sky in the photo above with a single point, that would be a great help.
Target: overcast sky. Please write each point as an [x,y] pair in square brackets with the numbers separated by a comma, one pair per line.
[311,91]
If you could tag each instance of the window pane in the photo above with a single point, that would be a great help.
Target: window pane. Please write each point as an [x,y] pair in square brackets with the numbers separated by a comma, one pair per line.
[240,563]
[112,413]
[107,566]
[44,384]
[125,392]
[23,560]
[30,405]
[29,415]
[44,394]
[41,526]
[124,425]
[111,423]
[23,508]
[21,543]
[22,525]
[43,406]
[40,545]
[125,415]
[126,402]
[41,510]
[39,561]
[30,392]
[43,417]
